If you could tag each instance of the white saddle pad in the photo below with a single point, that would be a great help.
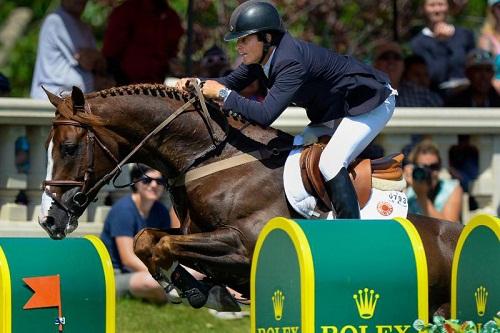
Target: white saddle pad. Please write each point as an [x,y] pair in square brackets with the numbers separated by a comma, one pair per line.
[381,205]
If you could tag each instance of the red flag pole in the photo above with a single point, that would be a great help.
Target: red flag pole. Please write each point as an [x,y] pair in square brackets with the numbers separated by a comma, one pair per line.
[60,317]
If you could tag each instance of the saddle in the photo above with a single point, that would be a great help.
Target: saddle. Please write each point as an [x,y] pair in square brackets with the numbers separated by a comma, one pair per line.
[361,171]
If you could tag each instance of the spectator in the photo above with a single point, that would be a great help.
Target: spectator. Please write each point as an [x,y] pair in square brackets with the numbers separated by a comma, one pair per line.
[67,54]
[414,89]
[214,62]
[480,93]
[127,216]
[4,86]
[464,165]
[428,194]
[489,39]
[443,46]
[141,38]
[388,57]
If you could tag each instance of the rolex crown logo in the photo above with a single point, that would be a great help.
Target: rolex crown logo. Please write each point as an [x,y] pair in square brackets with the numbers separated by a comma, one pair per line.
[481,296]
[278,302]
[366,301]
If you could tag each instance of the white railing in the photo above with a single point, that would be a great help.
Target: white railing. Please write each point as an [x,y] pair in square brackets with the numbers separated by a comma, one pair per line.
[32,118]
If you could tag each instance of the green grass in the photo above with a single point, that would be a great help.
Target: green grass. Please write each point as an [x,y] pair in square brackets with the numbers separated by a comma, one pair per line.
[134,316]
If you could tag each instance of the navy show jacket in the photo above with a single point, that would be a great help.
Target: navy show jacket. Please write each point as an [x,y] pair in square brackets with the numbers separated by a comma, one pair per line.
[328,85]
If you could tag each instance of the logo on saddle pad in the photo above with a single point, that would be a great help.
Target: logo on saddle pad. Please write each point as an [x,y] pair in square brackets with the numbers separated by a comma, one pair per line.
[481,296]
[366,301]
[278,303]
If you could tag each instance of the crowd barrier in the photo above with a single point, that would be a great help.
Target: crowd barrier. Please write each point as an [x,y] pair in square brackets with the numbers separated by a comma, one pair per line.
[56,286]
[365,276]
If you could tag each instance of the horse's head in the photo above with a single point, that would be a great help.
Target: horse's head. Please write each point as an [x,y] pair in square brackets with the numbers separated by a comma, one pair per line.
[72,173]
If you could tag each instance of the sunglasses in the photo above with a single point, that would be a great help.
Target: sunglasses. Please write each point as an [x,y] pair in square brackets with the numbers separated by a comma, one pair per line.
[434,166]
[148,180]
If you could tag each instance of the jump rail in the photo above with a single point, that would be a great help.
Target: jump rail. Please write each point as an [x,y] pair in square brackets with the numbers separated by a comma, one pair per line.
[56,286]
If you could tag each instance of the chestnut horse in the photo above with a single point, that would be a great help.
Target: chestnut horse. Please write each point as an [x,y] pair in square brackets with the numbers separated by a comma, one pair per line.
[221,212]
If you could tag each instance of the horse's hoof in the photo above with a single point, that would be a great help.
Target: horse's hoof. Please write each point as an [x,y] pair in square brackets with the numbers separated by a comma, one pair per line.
[220,299]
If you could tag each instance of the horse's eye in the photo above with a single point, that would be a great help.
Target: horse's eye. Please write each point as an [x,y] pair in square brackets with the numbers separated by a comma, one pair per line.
[68,149]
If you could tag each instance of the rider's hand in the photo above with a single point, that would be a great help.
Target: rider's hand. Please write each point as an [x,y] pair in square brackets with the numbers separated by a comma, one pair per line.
[183,84]
[211,89]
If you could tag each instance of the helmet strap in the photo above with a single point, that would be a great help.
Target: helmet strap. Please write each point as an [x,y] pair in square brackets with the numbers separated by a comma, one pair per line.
[267,45]
[265,51]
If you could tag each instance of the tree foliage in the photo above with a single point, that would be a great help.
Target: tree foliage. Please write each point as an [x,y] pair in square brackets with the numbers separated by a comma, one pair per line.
[345,26]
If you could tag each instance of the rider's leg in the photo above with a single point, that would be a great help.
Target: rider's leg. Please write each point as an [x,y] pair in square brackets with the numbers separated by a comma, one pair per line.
[351,137]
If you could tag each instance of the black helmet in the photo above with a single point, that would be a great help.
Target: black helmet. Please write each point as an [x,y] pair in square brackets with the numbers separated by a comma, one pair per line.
[251,17]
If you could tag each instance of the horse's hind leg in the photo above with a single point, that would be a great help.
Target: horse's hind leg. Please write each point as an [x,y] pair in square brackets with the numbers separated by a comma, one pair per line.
[219,254]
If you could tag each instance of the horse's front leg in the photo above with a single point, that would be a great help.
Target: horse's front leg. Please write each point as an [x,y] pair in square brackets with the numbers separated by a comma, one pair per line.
[144,242]
[220,254]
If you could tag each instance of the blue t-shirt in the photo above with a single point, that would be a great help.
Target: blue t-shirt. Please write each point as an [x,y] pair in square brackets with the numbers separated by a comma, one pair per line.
[124,220]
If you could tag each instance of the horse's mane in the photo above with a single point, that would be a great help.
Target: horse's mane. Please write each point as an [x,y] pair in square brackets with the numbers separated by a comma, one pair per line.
[145,89]
[135,89]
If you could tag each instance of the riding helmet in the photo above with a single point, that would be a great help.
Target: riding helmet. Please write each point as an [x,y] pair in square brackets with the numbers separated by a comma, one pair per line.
[251,17]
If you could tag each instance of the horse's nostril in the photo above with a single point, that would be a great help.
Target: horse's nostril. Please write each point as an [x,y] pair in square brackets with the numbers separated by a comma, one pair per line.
[49,221]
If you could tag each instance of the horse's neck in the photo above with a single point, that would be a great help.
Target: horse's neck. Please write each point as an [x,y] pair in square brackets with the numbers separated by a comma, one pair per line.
[130,118]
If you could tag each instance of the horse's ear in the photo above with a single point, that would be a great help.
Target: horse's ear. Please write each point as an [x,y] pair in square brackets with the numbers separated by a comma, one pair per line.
[55,100]
[78,99]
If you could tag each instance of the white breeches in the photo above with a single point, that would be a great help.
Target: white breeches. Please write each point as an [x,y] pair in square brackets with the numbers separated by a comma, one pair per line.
[352,136]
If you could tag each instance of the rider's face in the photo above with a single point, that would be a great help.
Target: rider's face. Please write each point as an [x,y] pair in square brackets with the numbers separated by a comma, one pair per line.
[250,49]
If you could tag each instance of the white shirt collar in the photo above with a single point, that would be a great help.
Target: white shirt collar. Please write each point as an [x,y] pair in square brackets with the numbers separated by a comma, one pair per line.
[427,32]
[267,66]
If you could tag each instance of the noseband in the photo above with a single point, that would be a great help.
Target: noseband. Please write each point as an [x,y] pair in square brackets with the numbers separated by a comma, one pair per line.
[80,199]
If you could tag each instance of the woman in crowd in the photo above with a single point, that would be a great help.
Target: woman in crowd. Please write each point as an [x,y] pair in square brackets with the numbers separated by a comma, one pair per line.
[489,39]
[428,194]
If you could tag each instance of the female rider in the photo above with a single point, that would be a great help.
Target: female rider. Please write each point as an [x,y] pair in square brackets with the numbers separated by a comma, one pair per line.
[328,85]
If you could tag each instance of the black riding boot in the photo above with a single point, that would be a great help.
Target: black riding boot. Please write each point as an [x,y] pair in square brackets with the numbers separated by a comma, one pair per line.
[343,196]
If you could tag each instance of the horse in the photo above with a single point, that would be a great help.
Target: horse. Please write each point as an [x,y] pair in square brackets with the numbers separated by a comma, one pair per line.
[221,209]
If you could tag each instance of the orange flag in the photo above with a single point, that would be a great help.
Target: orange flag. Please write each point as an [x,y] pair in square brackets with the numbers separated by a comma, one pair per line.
[46,292]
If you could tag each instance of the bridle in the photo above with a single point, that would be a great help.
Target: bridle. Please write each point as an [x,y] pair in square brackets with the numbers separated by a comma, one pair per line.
[80,199]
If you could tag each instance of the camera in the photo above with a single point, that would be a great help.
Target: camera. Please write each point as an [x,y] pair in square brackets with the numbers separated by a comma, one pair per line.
[421,174]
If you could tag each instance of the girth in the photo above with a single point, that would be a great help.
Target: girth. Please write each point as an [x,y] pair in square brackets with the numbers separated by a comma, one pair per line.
[361,172]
